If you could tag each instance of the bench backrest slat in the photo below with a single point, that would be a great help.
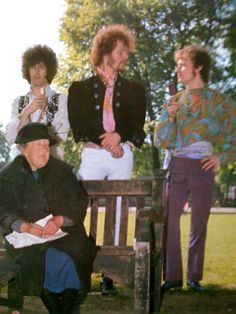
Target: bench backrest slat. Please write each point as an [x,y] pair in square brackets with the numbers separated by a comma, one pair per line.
[110,216]
[110,196]
[94,218]
[124,221]
[118,187]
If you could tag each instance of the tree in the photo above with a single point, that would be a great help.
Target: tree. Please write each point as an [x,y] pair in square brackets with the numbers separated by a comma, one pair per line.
[230,44]
[226,177]
[4,149]
[160,26]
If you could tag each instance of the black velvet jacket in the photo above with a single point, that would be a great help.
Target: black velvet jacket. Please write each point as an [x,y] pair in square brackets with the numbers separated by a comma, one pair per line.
[85,108]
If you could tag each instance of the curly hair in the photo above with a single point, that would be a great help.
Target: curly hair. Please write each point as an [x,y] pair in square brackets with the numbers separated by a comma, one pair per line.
[199,56]
[105,41]
[37,54]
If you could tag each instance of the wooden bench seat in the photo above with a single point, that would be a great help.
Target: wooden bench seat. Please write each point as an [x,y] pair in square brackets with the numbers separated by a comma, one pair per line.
[130,253]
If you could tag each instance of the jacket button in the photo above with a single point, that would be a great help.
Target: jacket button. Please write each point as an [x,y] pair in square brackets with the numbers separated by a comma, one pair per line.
[47,210]
[117,104]
[97,107]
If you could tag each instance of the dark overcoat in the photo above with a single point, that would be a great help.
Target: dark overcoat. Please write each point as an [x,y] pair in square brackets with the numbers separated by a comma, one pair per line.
[85,110]
[56,192]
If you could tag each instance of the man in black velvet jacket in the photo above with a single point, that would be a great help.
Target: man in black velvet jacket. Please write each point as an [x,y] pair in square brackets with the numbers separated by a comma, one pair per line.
[106,111]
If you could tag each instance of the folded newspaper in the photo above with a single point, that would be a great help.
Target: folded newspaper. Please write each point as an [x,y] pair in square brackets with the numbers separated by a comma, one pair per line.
[23,239]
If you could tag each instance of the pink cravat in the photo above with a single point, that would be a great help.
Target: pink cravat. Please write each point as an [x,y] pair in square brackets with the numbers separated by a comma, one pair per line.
[108,117]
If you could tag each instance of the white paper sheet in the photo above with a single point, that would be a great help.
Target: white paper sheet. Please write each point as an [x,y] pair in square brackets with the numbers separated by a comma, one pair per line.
[23,239]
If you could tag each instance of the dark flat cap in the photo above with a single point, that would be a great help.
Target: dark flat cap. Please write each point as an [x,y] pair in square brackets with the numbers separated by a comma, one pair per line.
[33,132]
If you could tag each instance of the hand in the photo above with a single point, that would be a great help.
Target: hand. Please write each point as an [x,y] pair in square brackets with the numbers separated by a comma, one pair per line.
[110,140]
[172,108]
[211,163]
[52,226]
[32,228]
[117,151]
[37,103]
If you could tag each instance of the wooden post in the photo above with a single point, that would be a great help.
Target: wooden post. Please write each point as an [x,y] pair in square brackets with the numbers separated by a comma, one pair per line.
[157,226]
[142,260]
[142,275]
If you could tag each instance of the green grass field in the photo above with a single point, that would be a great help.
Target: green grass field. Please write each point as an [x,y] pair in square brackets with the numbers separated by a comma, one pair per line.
[220,253]
[219,272]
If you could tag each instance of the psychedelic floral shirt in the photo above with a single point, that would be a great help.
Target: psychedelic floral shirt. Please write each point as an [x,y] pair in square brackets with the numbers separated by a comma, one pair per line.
[204,115]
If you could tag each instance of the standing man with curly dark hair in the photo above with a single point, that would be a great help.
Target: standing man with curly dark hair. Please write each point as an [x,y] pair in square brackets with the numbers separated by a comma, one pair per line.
[41,103]
[106,111]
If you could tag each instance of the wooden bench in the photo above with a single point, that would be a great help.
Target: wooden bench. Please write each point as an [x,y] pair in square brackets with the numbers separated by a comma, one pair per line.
[134,260]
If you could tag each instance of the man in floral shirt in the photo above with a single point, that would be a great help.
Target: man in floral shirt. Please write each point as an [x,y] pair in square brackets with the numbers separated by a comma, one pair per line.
[198,126]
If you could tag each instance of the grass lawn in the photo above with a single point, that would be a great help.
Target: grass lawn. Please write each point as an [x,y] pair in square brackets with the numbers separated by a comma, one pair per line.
[220,253]
[219,271]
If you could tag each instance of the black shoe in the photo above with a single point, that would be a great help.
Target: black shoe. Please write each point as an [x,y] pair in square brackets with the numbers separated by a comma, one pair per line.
[172,284]
[106,286]
[195,285]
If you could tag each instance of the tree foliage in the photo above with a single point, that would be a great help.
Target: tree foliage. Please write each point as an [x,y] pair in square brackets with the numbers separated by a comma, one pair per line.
[226,178]
[230,44]
[160,27]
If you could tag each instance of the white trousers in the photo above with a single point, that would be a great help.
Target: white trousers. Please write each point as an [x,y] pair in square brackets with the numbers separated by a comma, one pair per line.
[98,164]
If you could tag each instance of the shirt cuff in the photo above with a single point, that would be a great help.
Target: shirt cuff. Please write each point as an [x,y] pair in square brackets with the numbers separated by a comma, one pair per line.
[67,222]
[16,225]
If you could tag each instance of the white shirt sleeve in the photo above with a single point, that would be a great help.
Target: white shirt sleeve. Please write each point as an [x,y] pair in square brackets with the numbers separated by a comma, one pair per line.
[11,129]
[60,121]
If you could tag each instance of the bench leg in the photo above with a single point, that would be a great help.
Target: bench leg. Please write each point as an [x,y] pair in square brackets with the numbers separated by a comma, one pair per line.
[142,278]
[156,292]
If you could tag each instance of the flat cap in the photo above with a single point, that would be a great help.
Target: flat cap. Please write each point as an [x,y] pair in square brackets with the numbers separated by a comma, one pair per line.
[35,131]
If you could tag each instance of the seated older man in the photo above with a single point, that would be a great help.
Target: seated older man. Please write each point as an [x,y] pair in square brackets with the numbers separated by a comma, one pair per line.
[33,186]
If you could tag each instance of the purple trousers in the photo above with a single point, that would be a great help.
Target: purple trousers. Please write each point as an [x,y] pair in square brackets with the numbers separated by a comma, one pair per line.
[187,177]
